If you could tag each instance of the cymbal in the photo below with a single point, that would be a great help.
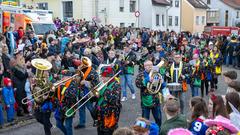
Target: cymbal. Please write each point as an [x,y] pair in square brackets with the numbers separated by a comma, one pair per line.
[41,64]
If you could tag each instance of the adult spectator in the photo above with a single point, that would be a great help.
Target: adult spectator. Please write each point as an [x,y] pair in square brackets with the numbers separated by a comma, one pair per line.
[174,118]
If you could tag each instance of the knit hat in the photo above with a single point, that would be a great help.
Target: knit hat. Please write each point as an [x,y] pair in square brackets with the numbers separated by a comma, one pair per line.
[179,131]
[7,81]
[231,74]
[223,122]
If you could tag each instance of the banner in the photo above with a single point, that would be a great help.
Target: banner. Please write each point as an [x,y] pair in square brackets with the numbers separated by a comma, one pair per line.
[10,2]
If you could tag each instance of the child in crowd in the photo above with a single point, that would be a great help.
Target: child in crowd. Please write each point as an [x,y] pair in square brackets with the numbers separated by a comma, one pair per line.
[199,111]
[220,126]
[1,114]
[8,98]
[219,107]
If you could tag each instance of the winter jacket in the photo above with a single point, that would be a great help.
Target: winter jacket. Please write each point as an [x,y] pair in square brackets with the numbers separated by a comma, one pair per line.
[8,95]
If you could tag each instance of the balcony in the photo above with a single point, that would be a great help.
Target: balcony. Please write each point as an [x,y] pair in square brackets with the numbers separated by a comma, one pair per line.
[213,16]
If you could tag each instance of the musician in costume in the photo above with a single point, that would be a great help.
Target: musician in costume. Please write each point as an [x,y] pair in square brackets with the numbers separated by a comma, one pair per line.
[195,75]
[108,104]
[127,67]
[42,102]
[176,79]
[89,80]
[65,97]
[149,100]
[216,57]
[143,58]
[206,72]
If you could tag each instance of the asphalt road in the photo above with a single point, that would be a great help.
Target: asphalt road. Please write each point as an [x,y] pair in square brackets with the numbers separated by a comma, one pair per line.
[130,111]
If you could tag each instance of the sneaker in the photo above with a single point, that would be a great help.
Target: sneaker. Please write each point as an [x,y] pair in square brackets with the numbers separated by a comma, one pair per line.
[124,99]
[133,96]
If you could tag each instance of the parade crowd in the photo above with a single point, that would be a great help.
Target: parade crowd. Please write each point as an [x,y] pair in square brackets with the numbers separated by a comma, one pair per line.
[183,62]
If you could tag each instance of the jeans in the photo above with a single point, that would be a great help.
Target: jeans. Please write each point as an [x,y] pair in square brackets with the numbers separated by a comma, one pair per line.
[44,119]
[194,90]
[156,112]
[228,60]
[10,113]
[67,129]
[235,61]
[126,79]
[82,113]
[1,115]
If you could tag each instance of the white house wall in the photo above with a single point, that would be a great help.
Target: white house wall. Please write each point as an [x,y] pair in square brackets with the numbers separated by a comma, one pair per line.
[175,11]
[232,13]
[160,10]
[146,13]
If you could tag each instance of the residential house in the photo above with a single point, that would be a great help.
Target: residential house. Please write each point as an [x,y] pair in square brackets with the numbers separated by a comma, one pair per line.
[174,15]
[228,12]
[115,12]
[193,14]
[154,14]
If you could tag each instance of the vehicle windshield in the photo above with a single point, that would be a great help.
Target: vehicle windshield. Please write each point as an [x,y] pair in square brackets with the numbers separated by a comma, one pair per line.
[41,29]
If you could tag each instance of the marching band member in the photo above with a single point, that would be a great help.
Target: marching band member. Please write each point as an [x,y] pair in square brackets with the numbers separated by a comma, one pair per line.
[89,80]
[216,57]
[127,66]
[66,96]
[176,75]
[149,101]
[108,104]
[206,72]
[195,74]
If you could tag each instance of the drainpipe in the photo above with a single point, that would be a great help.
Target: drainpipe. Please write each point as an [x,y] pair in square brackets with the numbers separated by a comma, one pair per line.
[167,17]
[180,17]
[96,8]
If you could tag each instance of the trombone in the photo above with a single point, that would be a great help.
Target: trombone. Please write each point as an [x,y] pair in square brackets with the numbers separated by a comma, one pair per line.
[53,87]
[91,93]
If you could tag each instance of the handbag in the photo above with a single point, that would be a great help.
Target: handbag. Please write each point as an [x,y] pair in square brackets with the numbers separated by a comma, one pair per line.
[197,82]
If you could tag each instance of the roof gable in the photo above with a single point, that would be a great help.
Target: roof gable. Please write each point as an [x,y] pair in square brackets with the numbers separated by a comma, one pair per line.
[198,4]
[232,3]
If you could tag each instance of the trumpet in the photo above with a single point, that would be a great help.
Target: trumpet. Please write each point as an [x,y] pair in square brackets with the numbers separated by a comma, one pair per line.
[90,95]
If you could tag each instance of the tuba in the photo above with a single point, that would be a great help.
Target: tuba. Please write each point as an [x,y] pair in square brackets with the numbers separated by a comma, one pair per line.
[154,86]
[41,83]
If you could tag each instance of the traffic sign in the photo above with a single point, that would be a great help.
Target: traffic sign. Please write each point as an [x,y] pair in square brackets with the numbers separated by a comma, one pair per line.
[137,13]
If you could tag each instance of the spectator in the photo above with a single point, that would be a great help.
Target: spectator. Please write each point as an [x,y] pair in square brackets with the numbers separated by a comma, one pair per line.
[11,41]
[8,98]
[220,126]
[179,131]
[199,113]
[174,118]
[123,131]
[141,127]
[219,107]
[234,86]
[229,76]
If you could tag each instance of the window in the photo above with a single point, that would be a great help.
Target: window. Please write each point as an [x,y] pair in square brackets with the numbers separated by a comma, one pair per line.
[43,6]
[67,9]
[163,22]
[208,1]
[176,20]
[203,20]
[170,20]
[176,3]
[197,20]
[133,25]
[226,18]
[121,5]
[157,20]
[171,2]
[132,6]
[122,25]
[237,14]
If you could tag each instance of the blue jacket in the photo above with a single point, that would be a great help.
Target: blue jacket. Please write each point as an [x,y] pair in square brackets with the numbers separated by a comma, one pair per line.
[8,95]
[154,129]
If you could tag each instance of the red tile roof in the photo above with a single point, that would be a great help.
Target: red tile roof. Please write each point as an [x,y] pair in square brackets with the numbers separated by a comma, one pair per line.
[161,2]
[232,3]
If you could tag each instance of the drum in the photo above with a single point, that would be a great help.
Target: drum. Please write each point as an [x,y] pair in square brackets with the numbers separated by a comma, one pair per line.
[174,87]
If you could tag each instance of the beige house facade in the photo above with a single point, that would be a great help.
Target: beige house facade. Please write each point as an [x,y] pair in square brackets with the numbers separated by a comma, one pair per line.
[194,14]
